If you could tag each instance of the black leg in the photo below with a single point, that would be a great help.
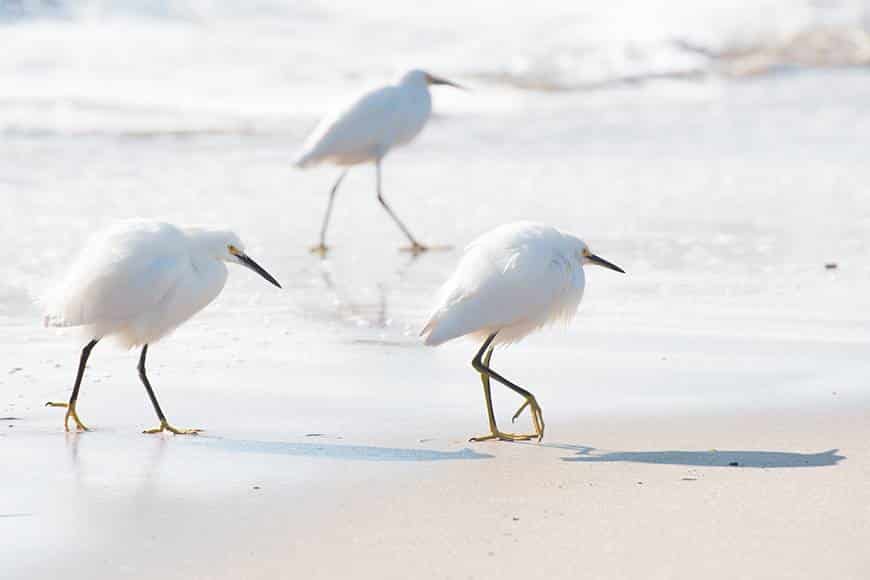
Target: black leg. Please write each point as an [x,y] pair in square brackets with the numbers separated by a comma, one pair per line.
[484,378]
[83,361]
[485,369]
[71,405]
[147,384]
[164,424]
[476,362]
[323,228]
[481,368]
[415,245]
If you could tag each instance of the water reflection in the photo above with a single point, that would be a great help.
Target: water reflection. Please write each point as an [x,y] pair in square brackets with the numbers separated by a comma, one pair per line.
[367,298]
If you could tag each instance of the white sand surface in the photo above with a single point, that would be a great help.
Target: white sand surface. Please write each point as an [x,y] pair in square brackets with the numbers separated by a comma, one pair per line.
[336,445]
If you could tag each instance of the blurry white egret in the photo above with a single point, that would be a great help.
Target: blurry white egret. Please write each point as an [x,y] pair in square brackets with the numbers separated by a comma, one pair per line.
[510,282]
[137,281]
[365,129]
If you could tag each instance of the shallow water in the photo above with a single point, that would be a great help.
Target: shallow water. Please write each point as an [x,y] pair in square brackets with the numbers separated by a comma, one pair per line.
[724,203]
[723,200]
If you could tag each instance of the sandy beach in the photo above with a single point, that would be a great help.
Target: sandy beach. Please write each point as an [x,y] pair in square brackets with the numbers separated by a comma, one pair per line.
[754,495]
[708,414]
[669,453]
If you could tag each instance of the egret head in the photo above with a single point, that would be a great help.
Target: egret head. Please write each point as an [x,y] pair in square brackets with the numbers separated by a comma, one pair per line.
[585,255]
[226,246]
[421,76]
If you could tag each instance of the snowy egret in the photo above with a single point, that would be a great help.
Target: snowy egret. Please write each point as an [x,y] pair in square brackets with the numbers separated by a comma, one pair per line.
[365,129]
[137,281]
[510,282]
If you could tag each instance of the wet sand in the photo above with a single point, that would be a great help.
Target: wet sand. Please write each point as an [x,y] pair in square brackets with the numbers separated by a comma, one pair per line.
[324,471]
[336,445]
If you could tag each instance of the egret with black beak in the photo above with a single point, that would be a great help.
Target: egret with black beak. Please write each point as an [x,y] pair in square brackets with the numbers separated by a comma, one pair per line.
[138,281]
[365,130]
[509,283]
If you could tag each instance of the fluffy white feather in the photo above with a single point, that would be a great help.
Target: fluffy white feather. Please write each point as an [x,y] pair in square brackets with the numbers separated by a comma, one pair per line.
[139,280]
[512,280]
[370,124]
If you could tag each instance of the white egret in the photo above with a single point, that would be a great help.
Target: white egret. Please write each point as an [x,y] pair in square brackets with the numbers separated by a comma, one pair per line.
[137,281]
[365,129]
[510,282]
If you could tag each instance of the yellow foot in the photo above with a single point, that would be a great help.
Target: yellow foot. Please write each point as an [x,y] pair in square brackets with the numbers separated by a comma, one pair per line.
[70,412]
[505,437]
[164,426]
[537,416]
[319,249]
[519,412]
[415,249]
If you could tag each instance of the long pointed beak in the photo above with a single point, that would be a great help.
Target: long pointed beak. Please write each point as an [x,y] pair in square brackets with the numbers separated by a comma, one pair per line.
[247,262]
[602,262]
[433,80]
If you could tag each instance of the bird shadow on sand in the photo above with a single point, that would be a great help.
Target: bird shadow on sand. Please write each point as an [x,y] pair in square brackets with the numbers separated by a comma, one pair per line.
[341,452]
[712,458]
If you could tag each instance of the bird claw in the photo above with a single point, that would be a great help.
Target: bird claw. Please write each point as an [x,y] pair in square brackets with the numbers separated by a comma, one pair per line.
[320,249]
[70,413]
[165,426]
[501,436]
[537,416]
[415,249]
[519,412]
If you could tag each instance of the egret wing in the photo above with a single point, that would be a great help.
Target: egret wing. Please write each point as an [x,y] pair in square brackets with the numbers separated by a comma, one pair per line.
[357,130]
[522,285]
[118,276]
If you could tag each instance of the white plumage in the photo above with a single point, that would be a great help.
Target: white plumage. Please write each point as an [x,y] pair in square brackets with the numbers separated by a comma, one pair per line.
[139,280]
[510,282]
[370,124]
[366,128]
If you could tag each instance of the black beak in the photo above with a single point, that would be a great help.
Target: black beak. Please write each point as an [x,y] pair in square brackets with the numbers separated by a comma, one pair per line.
[602,262]
[246,261]
[433,80]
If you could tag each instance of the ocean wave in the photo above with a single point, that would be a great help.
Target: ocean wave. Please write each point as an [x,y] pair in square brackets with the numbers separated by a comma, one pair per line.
[684,60]
[199,66]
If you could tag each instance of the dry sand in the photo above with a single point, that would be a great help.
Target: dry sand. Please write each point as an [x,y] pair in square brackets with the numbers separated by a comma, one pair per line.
[336,446]
[781,497]
[298,482]
[755,496]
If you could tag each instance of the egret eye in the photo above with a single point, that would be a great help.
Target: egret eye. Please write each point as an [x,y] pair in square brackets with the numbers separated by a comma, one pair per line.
[233,250]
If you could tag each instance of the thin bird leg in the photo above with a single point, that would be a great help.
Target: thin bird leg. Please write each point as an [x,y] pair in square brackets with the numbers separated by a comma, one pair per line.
[322,248]
[482,366]
[537,414]
[519,411]
[487,393]
[164,424]
[536,417]
[71,406]
[416,247]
